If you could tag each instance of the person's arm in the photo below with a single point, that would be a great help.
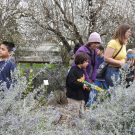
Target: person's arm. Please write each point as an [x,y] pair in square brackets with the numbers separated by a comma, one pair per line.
[72,80]
[12,68]
[108,57]
[94,73]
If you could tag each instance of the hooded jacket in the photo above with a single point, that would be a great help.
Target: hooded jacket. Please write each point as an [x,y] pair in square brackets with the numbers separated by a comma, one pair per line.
[87,69]
[74,87]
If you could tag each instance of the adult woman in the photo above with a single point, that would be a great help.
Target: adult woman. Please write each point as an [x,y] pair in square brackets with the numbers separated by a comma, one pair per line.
[119,38]
[91,49]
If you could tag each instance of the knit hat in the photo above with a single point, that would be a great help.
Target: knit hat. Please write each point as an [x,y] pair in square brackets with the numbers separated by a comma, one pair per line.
[94,37]
[129,50]
[71,52]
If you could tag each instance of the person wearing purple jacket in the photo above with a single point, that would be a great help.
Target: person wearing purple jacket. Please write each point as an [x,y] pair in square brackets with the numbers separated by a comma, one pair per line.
[90,48]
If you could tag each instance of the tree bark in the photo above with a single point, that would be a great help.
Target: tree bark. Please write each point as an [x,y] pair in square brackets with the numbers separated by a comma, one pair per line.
[77,35]
[92,16]
[61,37]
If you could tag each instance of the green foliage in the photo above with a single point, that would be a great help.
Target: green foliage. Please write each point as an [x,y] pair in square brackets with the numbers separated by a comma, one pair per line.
[27,65]
[54,73]
[102,96]
[57,96]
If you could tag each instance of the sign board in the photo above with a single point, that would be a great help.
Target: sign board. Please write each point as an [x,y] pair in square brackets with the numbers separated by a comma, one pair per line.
[46,82]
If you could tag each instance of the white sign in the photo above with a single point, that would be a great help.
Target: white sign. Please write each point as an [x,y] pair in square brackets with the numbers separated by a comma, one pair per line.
[46,82]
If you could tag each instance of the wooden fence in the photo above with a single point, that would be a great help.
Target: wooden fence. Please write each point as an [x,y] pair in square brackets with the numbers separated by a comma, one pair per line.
[33,62]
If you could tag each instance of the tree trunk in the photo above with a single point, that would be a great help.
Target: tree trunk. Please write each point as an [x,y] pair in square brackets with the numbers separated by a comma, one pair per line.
[91,17]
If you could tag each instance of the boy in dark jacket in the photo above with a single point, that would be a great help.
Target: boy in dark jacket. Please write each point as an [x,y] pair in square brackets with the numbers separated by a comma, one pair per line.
[90,48]
[100,60]
[76,91]
[6,65]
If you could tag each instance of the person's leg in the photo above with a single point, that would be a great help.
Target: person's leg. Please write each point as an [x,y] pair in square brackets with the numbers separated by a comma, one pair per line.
[109,74]
[91,96]
[93,93]
[98,83]
[86,96]
[104,85]
[73,111]
[81,111]
[74,106]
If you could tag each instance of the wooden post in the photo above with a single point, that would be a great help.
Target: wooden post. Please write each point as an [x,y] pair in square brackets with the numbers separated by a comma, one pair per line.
[31,63]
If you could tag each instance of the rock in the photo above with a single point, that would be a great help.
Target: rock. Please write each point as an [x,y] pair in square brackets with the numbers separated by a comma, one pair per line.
[63,98]
[52,99]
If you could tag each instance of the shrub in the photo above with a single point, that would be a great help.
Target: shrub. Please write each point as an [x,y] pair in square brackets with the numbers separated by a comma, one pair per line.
[56,75]
[26,115]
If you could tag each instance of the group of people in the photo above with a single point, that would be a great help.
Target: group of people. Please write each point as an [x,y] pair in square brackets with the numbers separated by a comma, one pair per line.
[88,59]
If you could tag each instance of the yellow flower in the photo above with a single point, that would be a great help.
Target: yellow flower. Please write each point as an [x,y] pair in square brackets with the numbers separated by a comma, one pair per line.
[31,70]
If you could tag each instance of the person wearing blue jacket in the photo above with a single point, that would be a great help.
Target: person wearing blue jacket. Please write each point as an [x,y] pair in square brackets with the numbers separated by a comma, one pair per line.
[6,65]
[100,59]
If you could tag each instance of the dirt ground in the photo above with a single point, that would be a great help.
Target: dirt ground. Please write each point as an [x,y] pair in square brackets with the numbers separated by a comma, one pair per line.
[65,105]
[61,105]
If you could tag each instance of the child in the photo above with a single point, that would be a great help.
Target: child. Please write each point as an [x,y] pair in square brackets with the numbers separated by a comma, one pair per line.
[72,56]
[5,51]
[75,89]
[100,59]
[90,48]
[130,57]
[98,81]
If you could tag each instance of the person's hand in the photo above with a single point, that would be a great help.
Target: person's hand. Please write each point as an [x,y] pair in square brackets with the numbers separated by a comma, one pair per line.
[122,63]
[88,89]
[91,81]
[85,86]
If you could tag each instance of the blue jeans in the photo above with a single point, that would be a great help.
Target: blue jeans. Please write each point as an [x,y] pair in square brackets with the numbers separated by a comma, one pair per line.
[110,71]
[93,93]
[98,83]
